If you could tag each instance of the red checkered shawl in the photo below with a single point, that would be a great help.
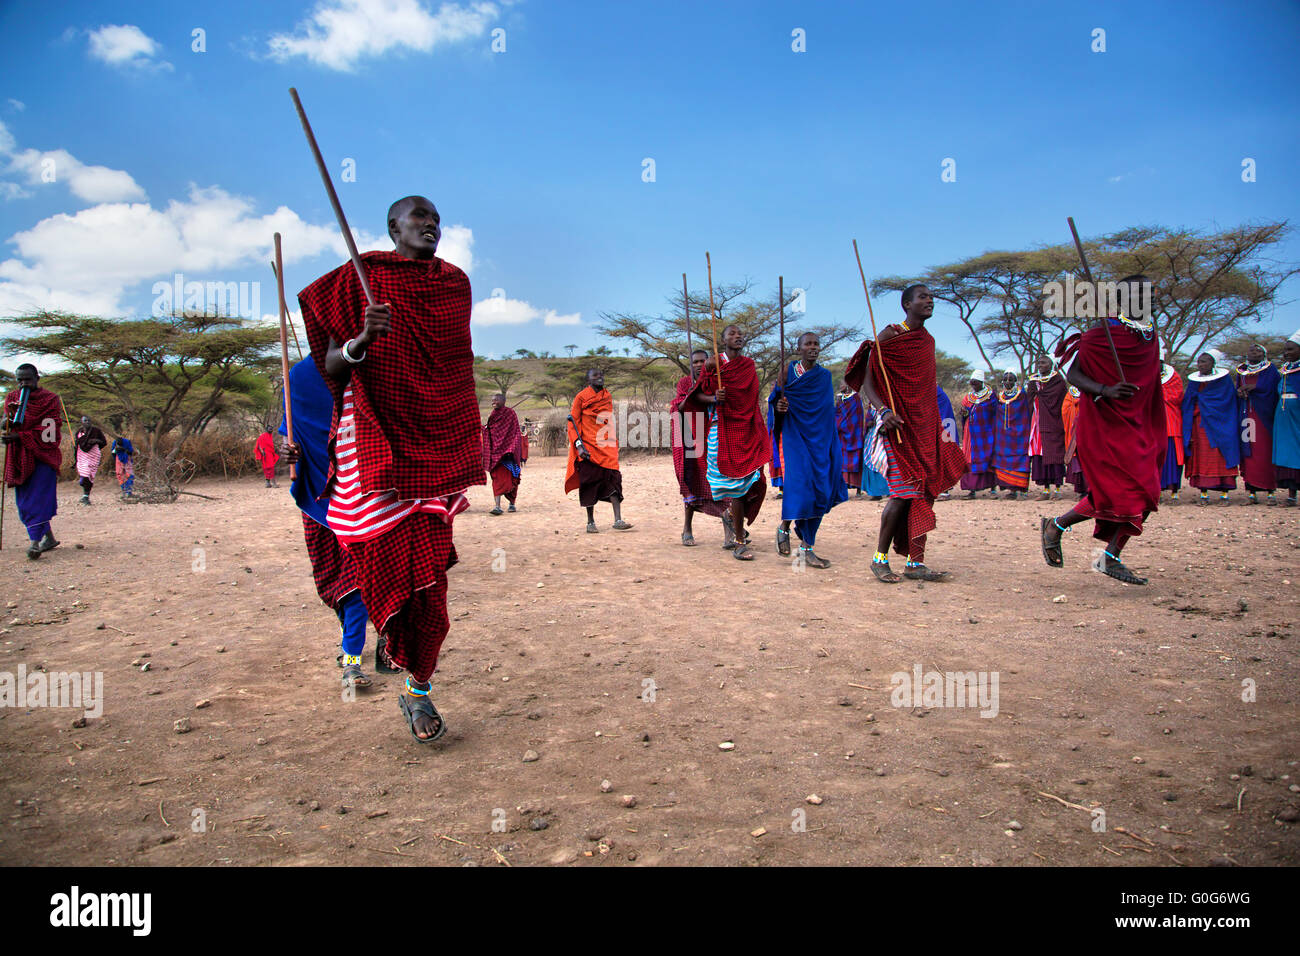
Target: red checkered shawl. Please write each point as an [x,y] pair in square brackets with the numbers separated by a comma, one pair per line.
[31,447]
[501,437]
[744,445]
[417,420]
[921,453]
[1121,442]
[691,475]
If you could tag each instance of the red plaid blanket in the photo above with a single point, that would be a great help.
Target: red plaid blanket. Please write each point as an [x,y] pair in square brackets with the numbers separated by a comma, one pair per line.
[501,437]
[417,416]
[744,445]
[31,447]
[921,454]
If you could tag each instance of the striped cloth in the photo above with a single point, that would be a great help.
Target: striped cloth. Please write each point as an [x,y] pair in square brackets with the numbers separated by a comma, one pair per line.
[719,484]
[899,487]
[356,516]
[88,461]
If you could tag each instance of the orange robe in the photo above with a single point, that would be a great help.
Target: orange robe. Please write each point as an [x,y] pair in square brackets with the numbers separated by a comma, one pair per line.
[594,414]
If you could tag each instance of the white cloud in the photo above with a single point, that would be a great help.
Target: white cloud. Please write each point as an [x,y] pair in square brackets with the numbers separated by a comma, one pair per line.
[339,33]
[127,46]
[91,183]
[17,105]
[88,261]
[456,246]
[499,310]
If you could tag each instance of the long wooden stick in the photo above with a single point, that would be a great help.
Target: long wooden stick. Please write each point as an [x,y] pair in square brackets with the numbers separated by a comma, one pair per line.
[686,303]
[1105,320]
[276,272]
[284,349]
[334,199]
[780,298]
[875,337]
[713,319]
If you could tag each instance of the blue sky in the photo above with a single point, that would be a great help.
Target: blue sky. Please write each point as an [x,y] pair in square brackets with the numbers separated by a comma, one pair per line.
[168,160]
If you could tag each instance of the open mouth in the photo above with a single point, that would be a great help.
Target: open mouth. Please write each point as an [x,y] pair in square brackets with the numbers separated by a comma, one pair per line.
[430,235]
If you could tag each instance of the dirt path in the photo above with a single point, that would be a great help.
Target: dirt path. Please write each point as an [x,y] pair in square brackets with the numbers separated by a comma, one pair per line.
[625,657]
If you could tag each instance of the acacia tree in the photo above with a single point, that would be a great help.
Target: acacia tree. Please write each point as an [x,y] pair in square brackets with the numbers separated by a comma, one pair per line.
[499,377]
[1208,287]
[163,375]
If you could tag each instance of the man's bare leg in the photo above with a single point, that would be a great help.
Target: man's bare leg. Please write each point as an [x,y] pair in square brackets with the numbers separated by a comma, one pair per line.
[891,518]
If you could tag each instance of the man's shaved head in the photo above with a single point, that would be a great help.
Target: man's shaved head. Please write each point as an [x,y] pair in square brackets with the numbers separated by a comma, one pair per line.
[415,227]
[396,209]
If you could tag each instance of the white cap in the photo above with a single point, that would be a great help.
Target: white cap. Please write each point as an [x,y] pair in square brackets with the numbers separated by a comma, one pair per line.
[978,374]
[1220,359]
[1011,371]
[1295,338]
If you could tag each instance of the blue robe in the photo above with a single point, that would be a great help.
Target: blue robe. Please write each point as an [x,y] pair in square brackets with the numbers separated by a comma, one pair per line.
[313,412]
[1220,416]
[814,464]
[1286,421]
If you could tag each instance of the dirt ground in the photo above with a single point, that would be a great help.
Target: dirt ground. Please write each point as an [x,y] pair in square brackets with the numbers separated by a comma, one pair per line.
[627,658]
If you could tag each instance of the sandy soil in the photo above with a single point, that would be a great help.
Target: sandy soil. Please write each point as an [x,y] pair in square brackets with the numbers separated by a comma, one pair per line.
[1120,698]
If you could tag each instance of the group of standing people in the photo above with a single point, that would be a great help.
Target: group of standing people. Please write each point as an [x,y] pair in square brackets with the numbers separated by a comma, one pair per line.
[1225,422]
[1017,432]
[1242,421]
[33,432]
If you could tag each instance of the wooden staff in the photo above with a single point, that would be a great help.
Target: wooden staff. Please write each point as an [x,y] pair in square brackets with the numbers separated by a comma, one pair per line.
[284,349]
[276,272]
[334,199]
[713,319]
[1105,320]
[686,302]
[780,298]
[875,337]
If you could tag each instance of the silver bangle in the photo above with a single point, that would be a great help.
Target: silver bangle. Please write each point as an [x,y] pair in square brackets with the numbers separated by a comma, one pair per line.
[347,353]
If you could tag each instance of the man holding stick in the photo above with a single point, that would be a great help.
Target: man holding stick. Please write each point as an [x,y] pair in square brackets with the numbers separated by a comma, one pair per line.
[689,463]
[332,568]
[897,373]
[1119,433]
[802,411]
[406,440]
[33,457]
[738,442]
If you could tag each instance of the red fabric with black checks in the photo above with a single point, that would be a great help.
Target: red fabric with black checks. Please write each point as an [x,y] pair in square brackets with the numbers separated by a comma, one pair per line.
[332,567]
[404,585]
[417,419]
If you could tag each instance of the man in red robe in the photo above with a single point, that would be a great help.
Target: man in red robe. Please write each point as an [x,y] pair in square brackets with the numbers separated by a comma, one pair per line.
[32,429]
[503,452]
[738,444]
[690,464]
[923,461]
[406,439]
[264,451]
[1171,384]
[1120,435]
